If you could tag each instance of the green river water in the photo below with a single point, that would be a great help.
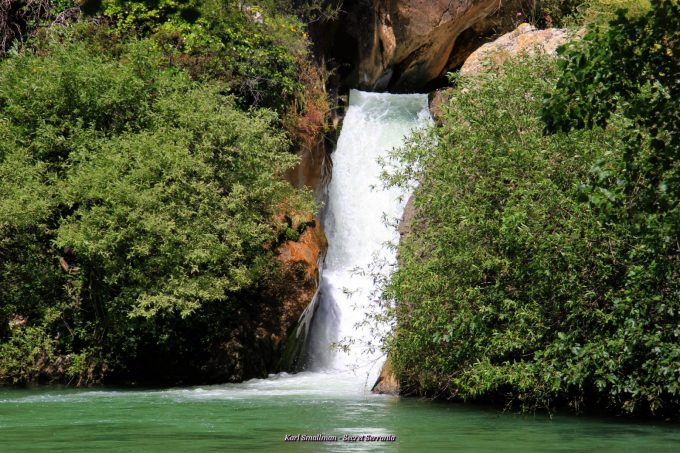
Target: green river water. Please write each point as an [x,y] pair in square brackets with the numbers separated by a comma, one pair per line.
[257,415]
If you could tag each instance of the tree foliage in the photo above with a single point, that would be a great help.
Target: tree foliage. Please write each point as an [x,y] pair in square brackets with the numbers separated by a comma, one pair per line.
[256,50]
[513,288]
[633,68]
[134,203]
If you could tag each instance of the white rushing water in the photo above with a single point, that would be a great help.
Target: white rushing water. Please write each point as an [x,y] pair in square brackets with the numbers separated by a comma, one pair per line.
[354,222]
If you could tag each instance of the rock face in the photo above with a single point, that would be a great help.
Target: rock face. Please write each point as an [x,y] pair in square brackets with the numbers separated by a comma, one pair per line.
[314,168]
[256,345]
[524,39]
[387,382]
[402,45]
[302,261]
[405,224]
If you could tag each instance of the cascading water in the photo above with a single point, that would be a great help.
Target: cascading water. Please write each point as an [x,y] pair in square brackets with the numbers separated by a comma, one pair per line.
[354,222]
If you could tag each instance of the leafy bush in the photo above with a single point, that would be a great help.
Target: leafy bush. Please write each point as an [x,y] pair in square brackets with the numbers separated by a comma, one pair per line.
[131,16]
[257,51]
[598,13]
[578,13]
[630,67]
[512,289]
[137,214]
[558,12]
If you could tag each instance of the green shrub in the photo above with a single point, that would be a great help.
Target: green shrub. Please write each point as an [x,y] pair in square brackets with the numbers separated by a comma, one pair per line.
[58,103]
[598,13]
[130,16]
[578,13]
[558,12]
[513,289]
[137,213]
[258,58]
[26,356]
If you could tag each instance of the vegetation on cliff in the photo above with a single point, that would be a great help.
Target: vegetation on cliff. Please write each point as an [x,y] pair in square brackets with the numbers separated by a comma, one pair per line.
[544,264]
[141,190]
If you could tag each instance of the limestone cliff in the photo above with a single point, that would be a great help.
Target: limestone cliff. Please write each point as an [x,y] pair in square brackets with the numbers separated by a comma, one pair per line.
[524,39]
[404,45]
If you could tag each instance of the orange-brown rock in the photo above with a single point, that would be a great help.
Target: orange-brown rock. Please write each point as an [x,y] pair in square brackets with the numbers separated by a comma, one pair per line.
[524,39]
[302,261]
[402,45]
[387,382]
[308,250]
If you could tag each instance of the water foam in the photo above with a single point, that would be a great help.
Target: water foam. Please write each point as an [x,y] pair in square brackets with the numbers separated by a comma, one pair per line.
[355,224]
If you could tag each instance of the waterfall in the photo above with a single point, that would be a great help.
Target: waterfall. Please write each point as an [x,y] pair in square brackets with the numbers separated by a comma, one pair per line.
[354,222]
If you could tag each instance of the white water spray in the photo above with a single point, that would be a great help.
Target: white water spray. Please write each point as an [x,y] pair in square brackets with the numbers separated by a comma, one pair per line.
[354,223]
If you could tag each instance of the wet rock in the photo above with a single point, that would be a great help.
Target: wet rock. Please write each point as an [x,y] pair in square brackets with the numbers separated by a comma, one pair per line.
[387,382]
[302,261]
[438,99]
[405,224]
[313,169]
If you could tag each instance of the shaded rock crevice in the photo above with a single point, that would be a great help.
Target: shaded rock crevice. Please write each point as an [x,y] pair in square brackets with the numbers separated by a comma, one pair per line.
[404,45]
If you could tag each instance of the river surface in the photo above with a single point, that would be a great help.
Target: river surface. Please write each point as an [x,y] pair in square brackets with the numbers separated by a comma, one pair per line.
[257,415]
